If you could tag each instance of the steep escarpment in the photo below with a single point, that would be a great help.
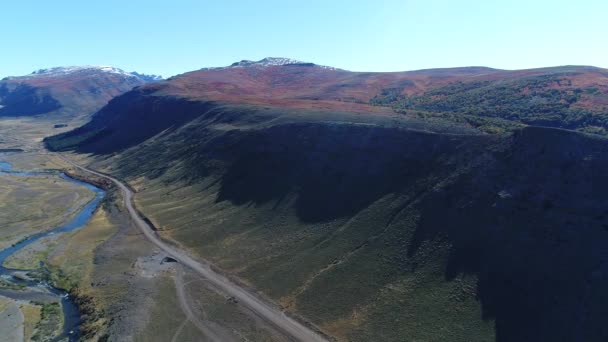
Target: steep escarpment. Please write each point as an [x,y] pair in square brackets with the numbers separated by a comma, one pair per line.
[146,115]
[377,227]
[531,223]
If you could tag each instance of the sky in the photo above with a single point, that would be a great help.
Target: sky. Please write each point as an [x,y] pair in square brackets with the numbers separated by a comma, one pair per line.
[172,37]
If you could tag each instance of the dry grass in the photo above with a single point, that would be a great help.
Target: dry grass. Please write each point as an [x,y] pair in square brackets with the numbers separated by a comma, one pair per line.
[35,161]
[32,316]
[74,257]
[27,133]
[166,315]
[29,258]
[29,205]
[216,309]
[4,302]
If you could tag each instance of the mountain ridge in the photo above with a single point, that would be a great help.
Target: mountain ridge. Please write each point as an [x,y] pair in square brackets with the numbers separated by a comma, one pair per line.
[67,70]
[66,93]
[574,94]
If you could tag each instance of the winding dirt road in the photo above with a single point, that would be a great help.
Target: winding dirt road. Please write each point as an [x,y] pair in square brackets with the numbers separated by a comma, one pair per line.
[268,312]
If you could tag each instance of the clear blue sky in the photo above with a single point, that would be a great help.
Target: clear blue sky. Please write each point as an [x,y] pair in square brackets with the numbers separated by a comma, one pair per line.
[174,36]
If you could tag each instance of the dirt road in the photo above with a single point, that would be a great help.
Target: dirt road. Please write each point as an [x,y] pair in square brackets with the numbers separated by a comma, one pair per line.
[207,329]
[267,311]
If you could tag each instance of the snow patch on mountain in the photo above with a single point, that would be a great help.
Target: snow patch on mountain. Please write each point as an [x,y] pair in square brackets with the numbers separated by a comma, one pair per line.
[269,62]
[71,70]
[75,69]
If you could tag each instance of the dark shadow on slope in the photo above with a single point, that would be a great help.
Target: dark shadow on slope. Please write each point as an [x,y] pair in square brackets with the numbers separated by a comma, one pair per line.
[335,170]
[127,121]
[530,220]
[24,100]
[533,226]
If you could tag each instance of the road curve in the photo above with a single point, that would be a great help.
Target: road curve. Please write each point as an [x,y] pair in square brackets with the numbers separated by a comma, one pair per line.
[271,314]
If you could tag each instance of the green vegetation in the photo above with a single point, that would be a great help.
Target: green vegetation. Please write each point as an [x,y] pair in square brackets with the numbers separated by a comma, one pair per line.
[68,259]
[74,268]
[66,141]
[549,100]
[10,286]
[50,322]
[488,125]
[305,214]
[315,250]
[31,257]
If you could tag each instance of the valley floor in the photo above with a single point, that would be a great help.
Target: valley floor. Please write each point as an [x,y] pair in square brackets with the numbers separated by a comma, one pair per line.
[125,286]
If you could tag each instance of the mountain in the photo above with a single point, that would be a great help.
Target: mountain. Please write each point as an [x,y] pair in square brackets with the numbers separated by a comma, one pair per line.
[489,100]
[570,97]
[270,61]
[424,205]
[65,93]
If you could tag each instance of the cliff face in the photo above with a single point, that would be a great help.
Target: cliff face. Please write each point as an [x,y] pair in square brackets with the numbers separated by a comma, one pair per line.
[375,226]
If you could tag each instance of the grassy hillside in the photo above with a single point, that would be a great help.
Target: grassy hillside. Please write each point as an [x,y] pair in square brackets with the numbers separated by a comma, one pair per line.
[375,227]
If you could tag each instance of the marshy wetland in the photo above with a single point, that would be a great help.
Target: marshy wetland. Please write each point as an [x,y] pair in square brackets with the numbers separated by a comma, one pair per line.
[37,208]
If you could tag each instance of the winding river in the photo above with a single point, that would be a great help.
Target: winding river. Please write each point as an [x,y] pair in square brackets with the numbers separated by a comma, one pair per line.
[38,290]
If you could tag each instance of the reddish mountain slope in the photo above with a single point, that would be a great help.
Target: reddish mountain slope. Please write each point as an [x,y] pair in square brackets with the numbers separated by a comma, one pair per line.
[308,86]
[65,93]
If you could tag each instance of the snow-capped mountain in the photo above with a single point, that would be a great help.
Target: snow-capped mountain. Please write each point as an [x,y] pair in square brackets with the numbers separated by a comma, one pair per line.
[148,77]
[74,70]
[74,92]
[268,62]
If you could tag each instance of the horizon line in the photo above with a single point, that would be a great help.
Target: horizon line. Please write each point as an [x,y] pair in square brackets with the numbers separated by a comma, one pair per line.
[297,61]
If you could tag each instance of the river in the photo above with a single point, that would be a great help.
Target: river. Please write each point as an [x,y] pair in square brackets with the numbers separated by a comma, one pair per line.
[38,290]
